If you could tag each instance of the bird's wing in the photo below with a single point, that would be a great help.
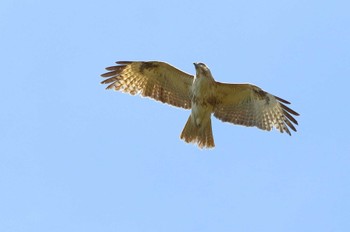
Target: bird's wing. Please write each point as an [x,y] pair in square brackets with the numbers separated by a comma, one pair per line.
[154,79]
[248,105]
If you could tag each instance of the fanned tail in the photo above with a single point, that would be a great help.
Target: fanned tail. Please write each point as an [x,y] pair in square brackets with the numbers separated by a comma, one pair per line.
[202,134]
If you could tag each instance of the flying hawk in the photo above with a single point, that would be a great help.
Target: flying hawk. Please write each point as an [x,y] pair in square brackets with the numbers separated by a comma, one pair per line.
[242,104]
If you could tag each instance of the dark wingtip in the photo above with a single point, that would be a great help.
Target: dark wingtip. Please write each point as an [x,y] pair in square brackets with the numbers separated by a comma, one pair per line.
[108,74]
[110,68]
[113,70]
[288,118]
[109,80]
[289,110]
[282,100]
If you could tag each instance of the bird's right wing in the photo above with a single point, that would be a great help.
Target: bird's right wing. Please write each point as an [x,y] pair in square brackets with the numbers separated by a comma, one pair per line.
[154,79]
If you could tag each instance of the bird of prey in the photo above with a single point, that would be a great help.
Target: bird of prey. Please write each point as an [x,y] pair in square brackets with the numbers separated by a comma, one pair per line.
[241,104]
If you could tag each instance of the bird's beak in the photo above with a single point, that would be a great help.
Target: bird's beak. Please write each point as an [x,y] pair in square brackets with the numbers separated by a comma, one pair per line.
[195,65]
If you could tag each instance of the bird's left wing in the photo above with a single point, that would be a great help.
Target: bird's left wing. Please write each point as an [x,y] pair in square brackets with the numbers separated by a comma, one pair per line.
[248,105]
[154,79]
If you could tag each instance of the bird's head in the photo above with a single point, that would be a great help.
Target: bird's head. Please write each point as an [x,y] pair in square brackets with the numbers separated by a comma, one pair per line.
[202,70]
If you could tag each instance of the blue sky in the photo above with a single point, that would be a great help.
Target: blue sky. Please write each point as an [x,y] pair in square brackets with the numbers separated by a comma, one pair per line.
[75,157]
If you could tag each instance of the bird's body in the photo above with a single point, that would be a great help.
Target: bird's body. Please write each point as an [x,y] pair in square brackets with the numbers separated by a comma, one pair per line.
[242,104]
[202,91]
[198,126]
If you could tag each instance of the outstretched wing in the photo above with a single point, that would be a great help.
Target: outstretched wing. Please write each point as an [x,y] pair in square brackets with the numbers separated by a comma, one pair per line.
[248,105]
[154,79]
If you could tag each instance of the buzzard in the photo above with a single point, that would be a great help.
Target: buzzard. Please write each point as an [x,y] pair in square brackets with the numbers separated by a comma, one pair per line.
[241,104]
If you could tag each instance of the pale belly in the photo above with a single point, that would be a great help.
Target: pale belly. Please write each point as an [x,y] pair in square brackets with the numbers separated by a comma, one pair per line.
[201,113]
[202,108]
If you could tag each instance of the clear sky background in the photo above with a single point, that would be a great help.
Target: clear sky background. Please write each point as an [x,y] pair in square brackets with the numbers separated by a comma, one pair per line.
[75,157]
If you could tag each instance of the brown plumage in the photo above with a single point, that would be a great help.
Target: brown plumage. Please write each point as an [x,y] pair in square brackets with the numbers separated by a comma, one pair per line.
[241,104]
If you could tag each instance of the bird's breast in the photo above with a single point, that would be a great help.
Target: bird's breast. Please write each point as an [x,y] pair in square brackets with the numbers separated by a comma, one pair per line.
[203,98]
[201,87]
[203,92]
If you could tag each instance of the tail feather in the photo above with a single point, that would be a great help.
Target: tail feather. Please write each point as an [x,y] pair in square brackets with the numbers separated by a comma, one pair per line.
[202,135]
